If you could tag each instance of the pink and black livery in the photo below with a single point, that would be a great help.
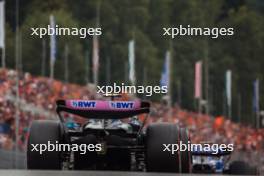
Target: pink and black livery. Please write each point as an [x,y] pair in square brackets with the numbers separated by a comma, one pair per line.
[128,145]
[98,109]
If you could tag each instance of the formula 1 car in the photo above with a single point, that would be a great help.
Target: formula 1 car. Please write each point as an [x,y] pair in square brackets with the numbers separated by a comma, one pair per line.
[212,162]
[206,162]
[125,145]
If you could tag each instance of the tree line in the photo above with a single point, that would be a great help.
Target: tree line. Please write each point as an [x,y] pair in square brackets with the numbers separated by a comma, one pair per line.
[143,20]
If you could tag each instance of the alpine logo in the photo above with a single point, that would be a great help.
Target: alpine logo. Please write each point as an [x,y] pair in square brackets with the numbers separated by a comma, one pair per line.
[122,105]
[83,104]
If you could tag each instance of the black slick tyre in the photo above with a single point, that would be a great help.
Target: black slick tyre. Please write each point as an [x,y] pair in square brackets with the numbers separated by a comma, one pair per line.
[241,168]
[42,131]
[185,156]
[158,160]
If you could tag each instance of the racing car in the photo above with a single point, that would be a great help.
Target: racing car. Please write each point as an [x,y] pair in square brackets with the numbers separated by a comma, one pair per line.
[210,161]
[220,163]
[127,143]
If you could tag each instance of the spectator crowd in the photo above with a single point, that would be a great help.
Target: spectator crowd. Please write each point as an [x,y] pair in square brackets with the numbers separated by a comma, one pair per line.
[37,91]
[42,93]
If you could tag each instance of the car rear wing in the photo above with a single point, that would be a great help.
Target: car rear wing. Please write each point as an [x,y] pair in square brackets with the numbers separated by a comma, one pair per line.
[99,109]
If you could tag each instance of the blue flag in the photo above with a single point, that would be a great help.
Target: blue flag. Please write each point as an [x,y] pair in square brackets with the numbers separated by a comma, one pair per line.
[52,40]
[165,75]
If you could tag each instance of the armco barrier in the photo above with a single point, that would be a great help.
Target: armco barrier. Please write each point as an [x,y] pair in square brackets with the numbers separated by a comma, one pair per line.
[11,160]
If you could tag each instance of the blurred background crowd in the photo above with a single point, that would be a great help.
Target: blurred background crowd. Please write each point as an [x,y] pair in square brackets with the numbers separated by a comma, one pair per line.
[40,94]
[215,85]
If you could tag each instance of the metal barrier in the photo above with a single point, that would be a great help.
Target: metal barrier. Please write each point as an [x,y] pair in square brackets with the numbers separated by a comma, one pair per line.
[11,160]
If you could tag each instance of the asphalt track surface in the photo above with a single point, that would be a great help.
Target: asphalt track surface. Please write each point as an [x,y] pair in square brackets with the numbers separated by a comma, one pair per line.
[84,173]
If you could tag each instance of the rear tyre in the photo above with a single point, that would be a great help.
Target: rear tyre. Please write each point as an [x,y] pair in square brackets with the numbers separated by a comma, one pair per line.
[41,132]
[158,160]
[241,168]
[186,158]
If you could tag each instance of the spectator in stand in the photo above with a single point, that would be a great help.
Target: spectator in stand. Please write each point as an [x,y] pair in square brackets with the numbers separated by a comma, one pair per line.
[43,92]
